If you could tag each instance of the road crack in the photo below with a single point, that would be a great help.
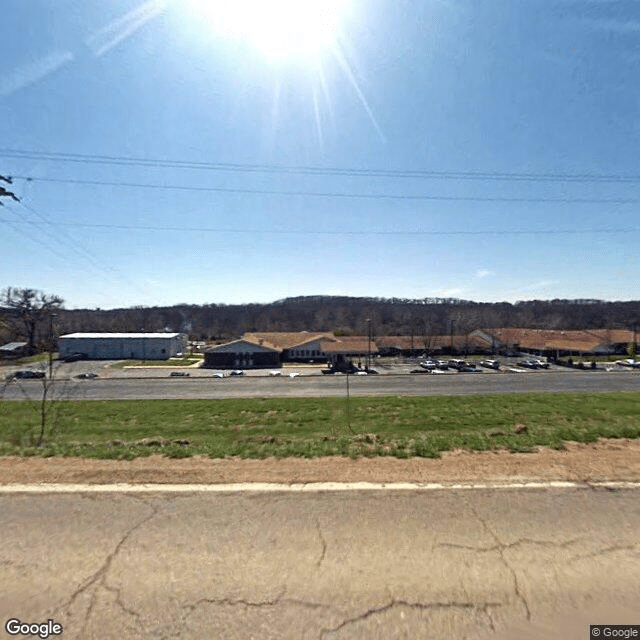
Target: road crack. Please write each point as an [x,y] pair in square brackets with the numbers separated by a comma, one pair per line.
[279,600]
[484,607]
[500,548]
[234,602]
[118,599]
[601,552]
[98,578]
[323,545]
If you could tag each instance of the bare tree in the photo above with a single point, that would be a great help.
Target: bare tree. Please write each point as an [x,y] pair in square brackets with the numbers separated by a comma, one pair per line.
[5,193]
[30,307]
[47,404]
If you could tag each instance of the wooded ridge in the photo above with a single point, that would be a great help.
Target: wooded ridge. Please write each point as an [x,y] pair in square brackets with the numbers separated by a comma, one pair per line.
[349,316]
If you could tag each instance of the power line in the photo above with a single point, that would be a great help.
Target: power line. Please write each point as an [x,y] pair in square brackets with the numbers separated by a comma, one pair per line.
[328,194]
[325,232]
[311,170]
[66,240]
[14,224]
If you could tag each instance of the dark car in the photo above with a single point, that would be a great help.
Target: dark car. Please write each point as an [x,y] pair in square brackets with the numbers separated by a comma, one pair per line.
[176,374]
[27,374]
[74,357]
[87,376]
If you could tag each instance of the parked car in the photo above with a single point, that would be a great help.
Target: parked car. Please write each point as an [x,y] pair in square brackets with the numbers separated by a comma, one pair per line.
[236,372]
[218,374]
[490,364]
[27,374]
[179,374]
[74,357]
[429,365]
[469,368]
[528,364]
[629,362]
[443,365]
[89,375]
[543,364]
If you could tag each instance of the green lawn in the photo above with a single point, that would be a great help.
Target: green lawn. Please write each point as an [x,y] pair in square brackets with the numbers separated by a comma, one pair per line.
[172,362]
[310,427]
[39,357]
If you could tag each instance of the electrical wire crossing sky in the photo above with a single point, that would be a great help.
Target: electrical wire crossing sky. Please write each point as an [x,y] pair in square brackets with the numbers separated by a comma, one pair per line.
[160,152]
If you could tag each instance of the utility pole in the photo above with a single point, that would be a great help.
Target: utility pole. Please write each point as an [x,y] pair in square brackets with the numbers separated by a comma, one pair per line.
[51,317]
[369,344]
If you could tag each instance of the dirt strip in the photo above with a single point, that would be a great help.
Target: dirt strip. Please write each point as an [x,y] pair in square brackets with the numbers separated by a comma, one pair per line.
[607,460]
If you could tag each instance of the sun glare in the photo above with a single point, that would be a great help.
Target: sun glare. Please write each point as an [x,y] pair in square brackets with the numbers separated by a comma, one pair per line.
[278,28]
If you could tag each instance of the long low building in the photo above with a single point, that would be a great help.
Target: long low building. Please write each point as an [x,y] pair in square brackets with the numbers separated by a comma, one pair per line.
[271,349]
[557,342]
[122,346]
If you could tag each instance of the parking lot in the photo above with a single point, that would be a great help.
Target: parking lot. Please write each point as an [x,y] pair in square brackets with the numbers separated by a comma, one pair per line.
[204,385]
[383,366]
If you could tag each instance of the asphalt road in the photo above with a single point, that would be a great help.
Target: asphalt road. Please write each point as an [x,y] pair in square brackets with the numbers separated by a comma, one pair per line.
[316,386]
[442,564]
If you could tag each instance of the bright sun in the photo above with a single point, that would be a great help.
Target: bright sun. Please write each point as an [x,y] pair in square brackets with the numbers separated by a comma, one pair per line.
[278,28]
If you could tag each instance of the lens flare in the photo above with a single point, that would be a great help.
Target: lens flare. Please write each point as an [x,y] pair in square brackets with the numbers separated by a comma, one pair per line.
[278,28]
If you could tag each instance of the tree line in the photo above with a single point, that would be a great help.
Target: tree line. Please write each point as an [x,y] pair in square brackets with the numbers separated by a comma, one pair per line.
[339,314]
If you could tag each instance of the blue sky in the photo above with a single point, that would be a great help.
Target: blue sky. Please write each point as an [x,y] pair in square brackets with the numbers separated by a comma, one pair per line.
[487,151]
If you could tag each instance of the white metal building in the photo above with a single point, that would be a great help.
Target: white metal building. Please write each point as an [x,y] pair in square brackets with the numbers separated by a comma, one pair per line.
[122,346]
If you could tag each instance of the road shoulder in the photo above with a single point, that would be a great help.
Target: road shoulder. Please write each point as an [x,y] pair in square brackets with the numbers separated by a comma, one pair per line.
[608,460]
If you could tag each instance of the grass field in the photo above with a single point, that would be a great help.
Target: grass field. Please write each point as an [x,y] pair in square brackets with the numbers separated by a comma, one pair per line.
[39,357]
[172,362]
[311,427]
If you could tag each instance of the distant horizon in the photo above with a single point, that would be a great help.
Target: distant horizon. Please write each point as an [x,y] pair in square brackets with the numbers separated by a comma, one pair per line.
[397,299]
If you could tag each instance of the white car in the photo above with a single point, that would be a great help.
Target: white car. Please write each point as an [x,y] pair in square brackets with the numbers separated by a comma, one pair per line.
[629,362]
[218,374]
[275,373]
